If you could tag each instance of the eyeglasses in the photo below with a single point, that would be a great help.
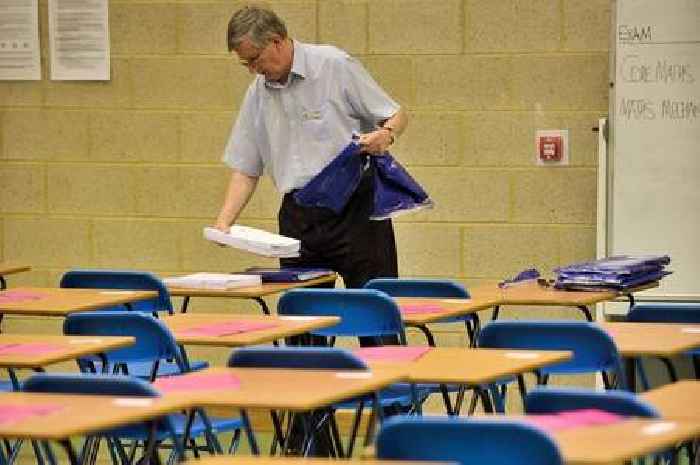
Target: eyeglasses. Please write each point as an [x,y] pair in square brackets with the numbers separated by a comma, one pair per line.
[252,61]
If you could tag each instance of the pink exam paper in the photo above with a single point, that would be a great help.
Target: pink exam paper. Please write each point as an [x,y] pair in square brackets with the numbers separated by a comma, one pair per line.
[19,296]
[17,413]
[391,353]
[409,309]
[198,382]
[227,328]
[573,419]
[28,348]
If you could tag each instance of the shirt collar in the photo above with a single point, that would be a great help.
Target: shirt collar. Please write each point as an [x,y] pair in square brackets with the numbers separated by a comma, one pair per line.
[299,68]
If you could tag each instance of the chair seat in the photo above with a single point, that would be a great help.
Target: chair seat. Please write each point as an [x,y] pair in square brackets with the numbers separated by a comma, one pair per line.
[179,421]
[398,394]
[143,369]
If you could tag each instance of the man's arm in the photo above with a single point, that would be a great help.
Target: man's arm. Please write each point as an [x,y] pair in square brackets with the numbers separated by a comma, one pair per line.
[378,141]
[240,190]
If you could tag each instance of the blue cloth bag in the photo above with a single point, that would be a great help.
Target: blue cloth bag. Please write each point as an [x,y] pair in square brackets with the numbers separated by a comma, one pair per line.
[395,191]
[334,185]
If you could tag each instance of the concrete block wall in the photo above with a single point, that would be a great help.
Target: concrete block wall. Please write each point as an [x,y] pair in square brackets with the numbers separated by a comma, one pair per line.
[125,173]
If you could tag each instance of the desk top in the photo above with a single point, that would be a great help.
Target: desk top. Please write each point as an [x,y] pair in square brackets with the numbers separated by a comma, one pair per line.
[285,389]
[534,294]
[617,442]
[41,349]
[654,339]
[443,308]
[284,326]
[62,301]
[68,415]
[676,400]
[248,292]
[11,268]
[460,365]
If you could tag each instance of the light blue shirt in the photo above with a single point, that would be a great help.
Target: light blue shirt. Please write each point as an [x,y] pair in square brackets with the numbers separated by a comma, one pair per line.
[293,130]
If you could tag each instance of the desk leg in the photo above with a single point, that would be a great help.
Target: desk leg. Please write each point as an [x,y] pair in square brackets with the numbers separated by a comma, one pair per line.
[496,309]
[262,304]
[428,335]
[185,304]
[254,449]
[72,456]
[586,312]
[3,283]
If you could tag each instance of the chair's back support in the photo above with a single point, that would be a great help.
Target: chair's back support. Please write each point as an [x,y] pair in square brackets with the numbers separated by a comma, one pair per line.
[403,287]
[362,312]
[593,349]
[295,357]
[665,313]
[122,279]
[553,400]
[467,442]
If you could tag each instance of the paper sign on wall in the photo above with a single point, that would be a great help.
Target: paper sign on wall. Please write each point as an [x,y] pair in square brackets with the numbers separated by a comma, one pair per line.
[20,57]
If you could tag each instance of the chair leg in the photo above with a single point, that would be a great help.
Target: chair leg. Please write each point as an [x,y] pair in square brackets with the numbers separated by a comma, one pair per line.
[235,442]
[355,426]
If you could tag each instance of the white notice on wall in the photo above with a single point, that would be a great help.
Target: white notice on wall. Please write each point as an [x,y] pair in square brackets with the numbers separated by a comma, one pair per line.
[79,40]
[19,40]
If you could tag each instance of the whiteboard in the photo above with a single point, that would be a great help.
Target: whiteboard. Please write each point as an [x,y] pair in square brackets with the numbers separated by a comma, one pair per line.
[654,146]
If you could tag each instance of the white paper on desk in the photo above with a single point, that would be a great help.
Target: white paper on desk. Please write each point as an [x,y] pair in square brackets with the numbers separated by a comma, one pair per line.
[19,40]
[255,241]
[79,40]
[214,281]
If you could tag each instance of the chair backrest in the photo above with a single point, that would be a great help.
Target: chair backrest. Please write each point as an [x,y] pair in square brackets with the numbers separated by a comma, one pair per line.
[467,442]
[362,312]
[329,358]
[101,385]
[551,400]
[403,287]
[154,341]
[593,349]
[665,313]
[122,279]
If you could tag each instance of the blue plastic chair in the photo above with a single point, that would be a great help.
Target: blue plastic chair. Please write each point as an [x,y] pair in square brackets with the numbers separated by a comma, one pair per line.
[169,427]
[442,288]
[154,345]
[123,280]
[317,358]
[130,280]
[466,442]
[667,313]
[593,349]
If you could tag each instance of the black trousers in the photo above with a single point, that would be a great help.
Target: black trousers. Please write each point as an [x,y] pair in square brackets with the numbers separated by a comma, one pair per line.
[351,244]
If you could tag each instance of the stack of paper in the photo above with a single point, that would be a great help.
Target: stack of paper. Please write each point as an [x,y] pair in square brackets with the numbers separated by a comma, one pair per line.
[255,241]
[214,281]
[616,272]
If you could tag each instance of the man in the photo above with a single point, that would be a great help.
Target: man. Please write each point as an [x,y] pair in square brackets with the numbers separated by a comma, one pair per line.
[298,113]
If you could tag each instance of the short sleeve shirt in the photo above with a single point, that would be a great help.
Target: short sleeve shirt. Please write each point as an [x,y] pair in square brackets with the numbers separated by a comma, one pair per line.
[294,130]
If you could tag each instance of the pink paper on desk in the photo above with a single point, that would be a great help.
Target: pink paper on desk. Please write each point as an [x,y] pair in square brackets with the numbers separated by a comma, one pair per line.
[391,353]
[16,413]
[198,382]
[573,419]
[226,328]
[8,297]
[409,309]
[28,348]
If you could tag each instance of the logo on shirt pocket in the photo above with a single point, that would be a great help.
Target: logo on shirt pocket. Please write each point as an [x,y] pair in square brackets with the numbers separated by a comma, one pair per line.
[314,122]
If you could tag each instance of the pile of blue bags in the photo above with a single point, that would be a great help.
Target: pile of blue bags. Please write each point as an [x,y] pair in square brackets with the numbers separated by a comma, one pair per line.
[618,272]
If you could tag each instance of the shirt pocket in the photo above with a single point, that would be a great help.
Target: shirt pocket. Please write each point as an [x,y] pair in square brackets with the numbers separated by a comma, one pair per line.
[315,121]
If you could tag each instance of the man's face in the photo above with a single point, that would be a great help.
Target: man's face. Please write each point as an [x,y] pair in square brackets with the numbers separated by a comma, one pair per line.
[270,60]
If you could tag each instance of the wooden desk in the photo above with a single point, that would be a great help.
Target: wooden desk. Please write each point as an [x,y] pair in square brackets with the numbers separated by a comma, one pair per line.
[62,301]
[472,367]
[663,340]
[255,293]
[10,268]
[628,439]
[285,326]
[77,415]
[676,400]
[534,294]
[296,390]
[57,348]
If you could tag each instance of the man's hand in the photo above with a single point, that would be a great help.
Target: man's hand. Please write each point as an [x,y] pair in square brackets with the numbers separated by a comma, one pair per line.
[376,142]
